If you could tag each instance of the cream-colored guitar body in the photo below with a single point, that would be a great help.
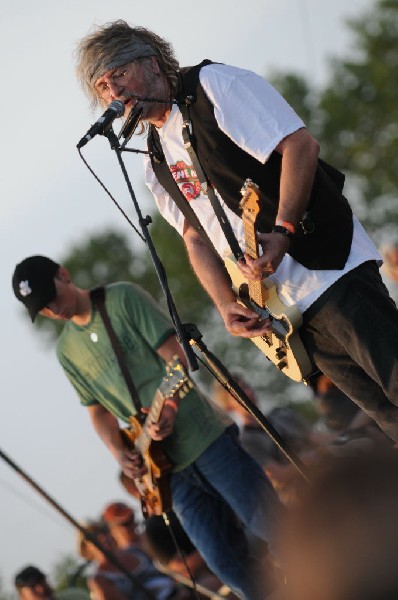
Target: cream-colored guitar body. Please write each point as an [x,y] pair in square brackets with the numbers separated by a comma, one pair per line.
[283,345]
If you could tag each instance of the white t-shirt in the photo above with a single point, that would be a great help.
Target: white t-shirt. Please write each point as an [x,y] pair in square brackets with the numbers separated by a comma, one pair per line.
[256,117]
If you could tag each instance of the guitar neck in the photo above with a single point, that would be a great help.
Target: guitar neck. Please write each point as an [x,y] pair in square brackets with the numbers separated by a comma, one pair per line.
[144,440]
[257,291]
[251,244]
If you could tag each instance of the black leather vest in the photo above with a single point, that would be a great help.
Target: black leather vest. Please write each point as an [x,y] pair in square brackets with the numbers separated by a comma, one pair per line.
[227,167]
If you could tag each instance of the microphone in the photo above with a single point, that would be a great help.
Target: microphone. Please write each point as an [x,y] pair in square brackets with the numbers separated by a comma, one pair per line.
[104,123]
[131,122]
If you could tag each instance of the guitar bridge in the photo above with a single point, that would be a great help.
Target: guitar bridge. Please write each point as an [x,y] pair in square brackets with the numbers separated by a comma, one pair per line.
[267,337]
[279,327]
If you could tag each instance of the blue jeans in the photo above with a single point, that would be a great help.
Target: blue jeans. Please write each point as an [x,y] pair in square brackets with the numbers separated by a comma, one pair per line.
[222,484]
[351,334]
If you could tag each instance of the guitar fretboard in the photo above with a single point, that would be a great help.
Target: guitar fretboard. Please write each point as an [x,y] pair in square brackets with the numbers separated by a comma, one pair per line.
[144,440]
[257,291]
[174,381]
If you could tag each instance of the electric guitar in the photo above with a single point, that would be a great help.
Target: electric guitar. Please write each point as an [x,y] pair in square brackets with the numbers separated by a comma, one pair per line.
[153,487]
[282,345]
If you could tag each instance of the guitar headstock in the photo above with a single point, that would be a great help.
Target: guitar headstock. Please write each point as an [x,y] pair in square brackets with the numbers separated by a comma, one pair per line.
[250,203]
[175,379]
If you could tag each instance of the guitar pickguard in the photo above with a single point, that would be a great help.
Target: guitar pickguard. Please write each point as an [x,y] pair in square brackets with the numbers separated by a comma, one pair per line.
[282,345]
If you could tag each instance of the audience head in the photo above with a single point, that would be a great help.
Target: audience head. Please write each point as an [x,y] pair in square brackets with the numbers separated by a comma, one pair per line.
[225,400]
[340,538]
[32,584]
[86,548]
[389,252]
[118,513]
[160,540]
[121,522]
[335,409]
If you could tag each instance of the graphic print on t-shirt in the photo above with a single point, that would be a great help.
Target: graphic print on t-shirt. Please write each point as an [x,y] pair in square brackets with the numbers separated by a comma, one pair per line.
[187,180]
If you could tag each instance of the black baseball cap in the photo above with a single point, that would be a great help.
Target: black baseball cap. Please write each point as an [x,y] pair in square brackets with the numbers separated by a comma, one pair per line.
[28,577]
[33,283]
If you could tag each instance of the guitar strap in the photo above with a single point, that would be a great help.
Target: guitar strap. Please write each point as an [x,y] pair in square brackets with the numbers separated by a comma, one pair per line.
[206,186]
[97,296]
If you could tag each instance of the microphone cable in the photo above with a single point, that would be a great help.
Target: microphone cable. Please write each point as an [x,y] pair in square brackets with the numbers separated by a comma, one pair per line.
[127,132]
[115,202]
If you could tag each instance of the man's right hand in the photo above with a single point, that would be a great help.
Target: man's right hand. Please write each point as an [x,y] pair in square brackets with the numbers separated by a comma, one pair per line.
[241,321]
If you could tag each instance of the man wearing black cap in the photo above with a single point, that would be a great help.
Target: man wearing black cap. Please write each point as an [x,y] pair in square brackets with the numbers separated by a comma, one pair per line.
[42,271]
[213,479]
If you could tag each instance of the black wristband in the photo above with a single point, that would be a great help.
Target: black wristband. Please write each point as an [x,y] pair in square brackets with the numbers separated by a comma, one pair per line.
[283,231]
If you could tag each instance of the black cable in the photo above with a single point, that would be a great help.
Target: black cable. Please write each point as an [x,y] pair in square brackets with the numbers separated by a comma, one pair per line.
[180,553]
[29,502]
[110,195]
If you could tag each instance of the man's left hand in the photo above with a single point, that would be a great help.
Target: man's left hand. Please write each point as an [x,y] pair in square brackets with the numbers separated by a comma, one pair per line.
[164,427]
[275,246]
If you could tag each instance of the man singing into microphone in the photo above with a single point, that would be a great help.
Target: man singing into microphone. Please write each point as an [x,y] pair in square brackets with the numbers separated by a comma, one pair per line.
[233,125]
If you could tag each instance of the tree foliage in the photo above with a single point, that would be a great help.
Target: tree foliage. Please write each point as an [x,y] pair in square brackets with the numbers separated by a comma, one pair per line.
[360,113]
[298,92]
[355,117]
[69,572]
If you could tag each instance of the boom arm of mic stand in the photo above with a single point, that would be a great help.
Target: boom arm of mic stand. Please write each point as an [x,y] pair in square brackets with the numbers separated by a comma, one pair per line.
[224,376]
[180,331]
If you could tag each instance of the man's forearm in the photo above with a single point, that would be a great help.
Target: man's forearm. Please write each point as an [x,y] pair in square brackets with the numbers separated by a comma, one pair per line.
[239,320]
[299,161]
[107,428]
[209,269]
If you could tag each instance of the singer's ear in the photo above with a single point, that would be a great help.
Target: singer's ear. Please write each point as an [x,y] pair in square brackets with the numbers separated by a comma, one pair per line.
[63,275]
[155,65]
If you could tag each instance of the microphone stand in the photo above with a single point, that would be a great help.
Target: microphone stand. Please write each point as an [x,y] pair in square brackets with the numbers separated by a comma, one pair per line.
[90,537]
[219,371]
[144,222]
[189,335]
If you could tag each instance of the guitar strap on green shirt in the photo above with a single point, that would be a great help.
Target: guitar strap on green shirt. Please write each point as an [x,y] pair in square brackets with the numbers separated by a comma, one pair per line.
[97,296]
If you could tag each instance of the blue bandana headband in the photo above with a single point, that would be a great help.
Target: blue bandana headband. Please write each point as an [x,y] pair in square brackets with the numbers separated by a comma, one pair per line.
[126,54]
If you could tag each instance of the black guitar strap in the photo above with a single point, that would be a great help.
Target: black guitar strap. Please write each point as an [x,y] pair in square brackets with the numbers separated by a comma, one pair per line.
[206,186]
[97,296]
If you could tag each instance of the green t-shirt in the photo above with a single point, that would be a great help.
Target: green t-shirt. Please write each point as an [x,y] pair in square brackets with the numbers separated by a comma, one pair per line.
[87,356]
[72,594]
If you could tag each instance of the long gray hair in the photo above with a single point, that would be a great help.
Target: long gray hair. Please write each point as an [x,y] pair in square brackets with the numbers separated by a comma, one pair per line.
[117,43]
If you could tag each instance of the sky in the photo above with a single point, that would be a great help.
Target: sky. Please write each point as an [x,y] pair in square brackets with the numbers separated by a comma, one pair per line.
[50,201]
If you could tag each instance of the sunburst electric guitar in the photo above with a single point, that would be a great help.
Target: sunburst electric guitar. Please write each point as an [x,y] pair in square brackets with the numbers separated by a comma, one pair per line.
[282,345]
[153,487]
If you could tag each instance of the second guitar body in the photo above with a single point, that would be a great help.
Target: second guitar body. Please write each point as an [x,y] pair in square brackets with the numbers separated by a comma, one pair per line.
[152,488]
